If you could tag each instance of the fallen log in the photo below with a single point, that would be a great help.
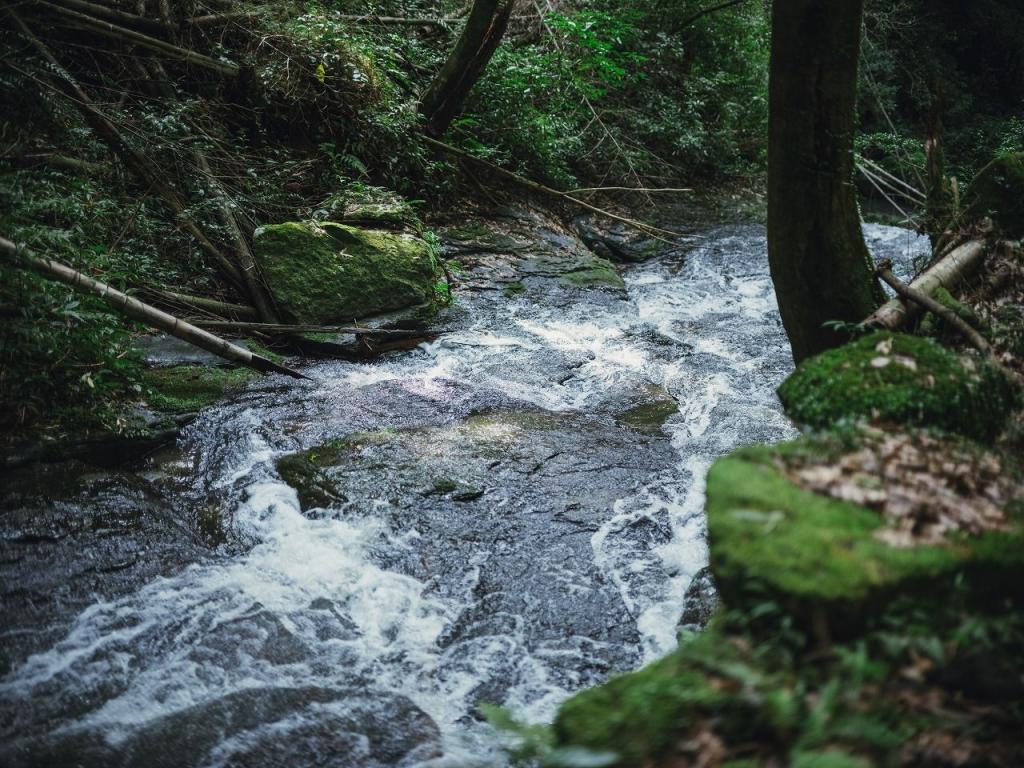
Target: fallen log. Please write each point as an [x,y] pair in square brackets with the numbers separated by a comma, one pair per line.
[976,340]
[275,328]
[947,273]
[115,14]
[145,313]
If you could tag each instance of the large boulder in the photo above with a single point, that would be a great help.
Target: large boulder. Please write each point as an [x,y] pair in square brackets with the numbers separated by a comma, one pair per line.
[998,192]
[900,379]
[831,527]
[325,273]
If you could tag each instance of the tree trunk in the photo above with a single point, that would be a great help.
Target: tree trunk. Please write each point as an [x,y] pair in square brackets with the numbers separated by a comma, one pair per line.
[442,101]
[819,263]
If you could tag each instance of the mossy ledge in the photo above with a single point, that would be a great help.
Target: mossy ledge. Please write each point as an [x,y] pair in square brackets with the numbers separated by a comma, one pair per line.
[187,388]
[333,273]
[903,379]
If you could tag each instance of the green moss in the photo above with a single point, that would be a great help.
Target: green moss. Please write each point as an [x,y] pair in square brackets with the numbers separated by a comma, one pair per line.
[903,379]
[828,758]
[187,388]
[998,192]
[819,557]
[641,715]
[648,418]
[602,273]
[333,273]
[514,289]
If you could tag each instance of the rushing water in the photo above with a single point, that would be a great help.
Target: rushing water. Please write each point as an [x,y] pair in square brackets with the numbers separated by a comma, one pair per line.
[366,633]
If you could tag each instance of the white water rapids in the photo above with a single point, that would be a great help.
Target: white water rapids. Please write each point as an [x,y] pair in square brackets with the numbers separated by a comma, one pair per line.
[318,600]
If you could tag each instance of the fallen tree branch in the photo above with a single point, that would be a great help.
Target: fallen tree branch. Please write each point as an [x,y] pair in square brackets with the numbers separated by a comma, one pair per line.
[649,229]
[947,272]
[145,41]
[976,340]
[145,313]
[272,328]
[114,14]
[707,12]
[645,190]
[222,308]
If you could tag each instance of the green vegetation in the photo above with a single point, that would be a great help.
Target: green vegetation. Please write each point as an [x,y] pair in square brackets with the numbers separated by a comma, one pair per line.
[998,192]
[903,379]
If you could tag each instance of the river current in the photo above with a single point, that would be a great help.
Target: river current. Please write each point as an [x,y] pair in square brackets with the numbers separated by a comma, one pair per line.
[366,631]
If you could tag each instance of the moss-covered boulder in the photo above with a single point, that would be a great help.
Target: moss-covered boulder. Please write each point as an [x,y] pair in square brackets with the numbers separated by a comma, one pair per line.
[334,273]
[831,562]
[902,379]
[998,192]
[187,388]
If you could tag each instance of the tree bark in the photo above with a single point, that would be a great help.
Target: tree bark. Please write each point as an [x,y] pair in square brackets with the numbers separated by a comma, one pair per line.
[819,263]
[443,100]
[145,313]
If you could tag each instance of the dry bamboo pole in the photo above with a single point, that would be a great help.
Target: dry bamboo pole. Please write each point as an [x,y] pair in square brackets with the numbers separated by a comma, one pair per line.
[258,293]
[272,328]
[136,162]
[113,14]
[145,41]
[947,272]
[884,271]
[222,308]
[145,313]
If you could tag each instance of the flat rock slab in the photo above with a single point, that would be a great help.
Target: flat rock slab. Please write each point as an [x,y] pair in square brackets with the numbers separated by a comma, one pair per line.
[500,508]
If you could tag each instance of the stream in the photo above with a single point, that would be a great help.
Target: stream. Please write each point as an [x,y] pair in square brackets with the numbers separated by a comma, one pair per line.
[519,515]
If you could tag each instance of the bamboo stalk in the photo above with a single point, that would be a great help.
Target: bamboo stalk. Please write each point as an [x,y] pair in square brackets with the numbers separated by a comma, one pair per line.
[232,325]
[145,41]
[222,308]
[884,271]
[947,272]
[114,14]
[145,313]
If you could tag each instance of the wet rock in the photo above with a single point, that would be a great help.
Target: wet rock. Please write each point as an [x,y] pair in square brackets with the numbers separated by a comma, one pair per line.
[332,273]
[615,241]
[507,495]
[700,602]
[162,351]
[650,414]
[255,728]
[70,535]
[257,635]
[527,251]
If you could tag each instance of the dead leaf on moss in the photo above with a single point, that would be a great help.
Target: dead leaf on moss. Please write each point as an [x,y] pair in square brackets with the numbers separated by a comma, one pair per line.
[925,487]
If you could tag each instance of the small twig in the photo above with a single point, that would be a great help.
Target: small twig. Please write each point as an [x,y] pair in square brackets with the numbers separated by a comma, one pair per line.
[645,190]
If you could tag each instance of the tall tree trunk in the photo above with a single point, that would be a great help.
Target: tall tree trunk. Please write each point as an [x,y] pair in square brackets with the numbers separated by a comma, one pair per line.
[819,263]
[442,101]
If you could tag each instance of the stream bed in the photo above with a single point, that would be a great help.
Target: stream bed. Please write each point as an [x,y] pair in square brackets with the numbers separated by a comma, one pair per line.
[514,513]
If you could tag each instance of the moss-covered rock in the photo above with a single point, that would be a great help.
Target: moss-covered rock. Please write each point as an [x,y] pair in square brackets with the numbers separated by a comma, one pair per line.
[334,273]
[826,560]
[600,272]
[902,379]
[998,192]
[187,388]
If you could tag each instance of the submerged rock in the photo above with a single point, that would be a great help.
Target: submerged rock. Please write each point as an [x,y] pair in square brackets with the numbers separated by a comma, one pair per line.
[527,251]
[331,273]
[903,379]
[259,727]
